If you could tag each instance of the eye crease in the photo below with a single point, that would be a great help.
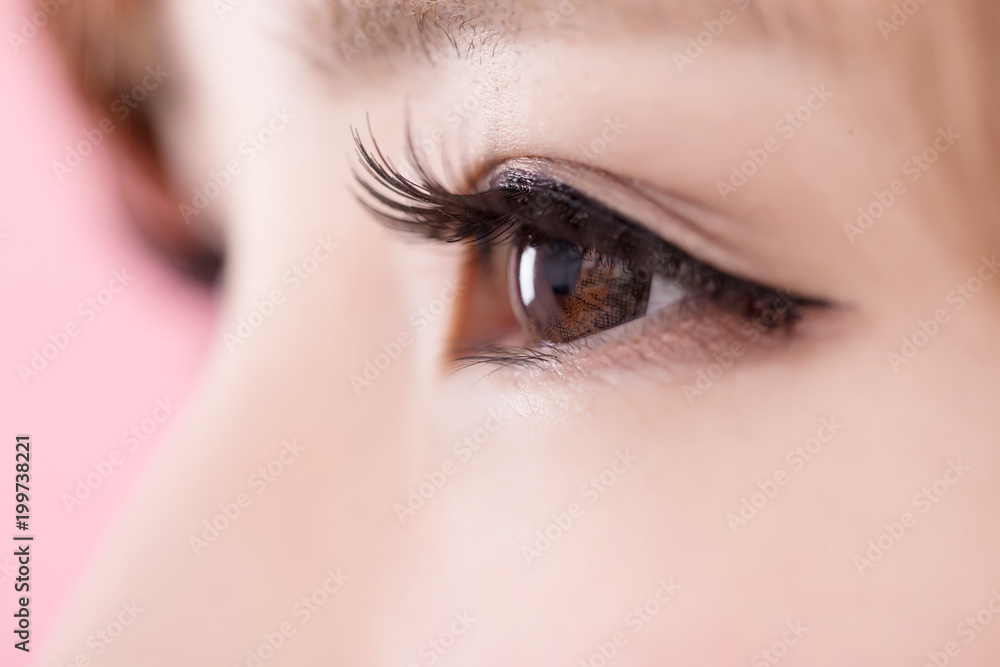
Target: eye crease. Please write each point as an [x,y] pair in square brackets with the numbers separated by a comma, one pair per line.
[574,267]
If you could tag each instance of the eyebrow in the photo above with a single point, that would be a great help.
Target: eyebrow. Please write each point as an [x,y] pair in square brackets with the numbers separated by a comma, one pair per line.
[349,34]
[360,32]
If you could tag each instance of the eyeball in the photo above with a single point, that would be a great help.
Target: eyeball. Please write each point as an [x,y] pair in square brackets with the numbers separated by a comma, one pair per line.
[561,292]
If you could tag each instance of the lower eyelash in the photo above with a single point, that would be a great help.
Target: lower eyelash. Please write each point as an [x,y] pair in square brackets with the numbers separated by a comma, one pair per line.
[505,357]
[652,337]
[673,340]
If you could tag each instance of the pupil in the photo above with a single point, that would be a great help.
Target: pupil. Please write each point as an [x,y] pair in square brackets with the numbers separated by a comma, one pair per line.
[561,264]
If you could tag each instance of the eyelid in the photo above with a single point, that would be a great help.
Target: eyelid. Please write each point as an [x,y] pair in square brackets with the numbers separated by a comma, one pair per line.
[631,199]
[430,209]
[699,230]
[488,216]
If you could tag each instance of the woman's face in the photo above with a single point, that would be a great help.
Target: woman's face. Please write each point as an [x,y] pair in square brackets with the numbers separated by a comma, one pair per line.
[788,456]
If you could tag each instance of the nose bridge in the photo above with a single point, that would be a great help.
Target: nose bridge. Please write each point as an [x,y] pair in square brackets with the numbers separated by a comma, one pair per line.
[350,363]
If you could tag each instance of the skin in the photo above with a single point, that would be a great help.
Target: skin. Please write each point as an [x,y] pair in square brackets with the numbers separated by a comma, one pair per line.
[670,515]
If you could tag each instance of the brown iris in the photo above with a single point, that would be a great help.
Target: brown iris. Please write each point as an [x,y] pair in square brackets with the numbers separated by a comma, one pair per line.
[561,293]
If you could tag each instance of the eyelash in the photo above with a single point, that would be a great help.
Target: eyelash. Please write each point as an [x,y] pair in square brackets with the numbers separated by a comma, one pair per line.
[493,217]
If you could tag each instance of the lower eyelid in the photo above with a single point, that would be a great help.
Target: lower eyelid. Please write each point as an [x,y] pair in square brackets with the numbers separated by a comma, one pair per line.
[670,345]
[682,326]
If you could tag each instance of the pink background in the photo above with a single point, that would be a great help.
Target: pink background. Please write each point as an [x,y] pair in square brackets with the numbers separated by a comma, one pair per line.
[59,244]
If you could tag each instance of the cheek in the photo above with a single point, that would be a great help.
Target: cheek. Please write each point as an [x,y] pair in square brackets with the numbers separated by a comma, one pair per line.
[781,526]
[613,523]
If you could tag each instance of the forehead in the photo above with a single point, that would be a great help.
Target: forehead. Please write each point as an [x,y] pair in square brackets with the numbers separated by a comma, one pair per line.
[357,31]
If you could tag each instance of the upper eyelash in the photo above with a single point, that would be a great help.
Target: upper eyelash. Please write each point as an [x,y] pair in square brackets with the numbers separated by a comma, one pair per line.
[428,208]
[441,214]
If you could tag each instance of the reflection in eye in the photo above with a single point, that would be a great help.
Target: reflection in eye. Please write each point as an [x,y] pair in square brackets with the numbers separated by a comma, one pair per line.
[574,266]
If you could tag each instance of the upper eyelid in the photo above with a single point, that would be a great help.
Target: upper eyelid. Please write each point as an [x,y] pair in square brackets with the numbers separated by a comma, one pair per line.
[669,251]
[429,202]
[432,211]
[427,193]
[436,205]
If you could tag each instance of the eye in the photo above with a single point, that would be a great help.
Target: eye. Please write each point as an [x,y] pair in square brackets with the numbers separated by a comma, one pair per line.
[561,292]
[571,267]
